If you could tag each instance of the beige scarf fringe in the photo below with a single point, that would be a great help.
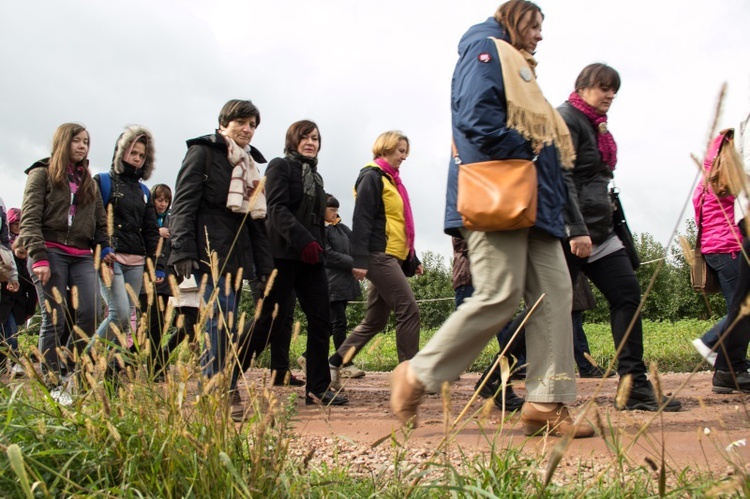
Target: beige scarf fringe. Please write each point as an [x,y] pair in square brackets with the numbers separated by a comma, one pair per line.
[528,112]
[245,179]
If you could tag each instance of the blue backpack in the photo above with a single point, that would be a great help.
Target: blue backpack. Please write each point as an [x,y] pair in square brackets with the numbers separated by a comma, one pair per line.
[105,186]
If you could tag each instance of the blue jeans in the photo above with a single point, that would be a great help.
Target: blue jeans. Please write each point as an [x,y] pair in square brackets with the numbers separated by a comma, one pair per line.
[8,339]
[219,334]
[462,293]
[118,299]
[726,267]
[66,272]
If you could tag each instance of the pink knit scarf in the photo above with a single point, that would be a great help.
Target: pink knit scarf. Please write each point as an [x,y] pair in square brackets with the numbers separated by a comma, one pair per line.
[604,139]
[408,216]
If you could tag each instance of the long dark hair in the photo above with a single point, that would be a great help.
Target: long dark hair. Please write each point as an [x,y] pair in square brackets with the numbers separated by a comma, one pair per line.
[60,158]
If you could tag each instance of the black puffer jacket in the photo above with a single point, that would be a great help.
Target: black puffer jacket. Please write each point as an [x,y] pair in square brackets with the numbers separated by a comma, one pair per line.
[341,282]
[199,211]
[135,229]
[284,191]
[591,178]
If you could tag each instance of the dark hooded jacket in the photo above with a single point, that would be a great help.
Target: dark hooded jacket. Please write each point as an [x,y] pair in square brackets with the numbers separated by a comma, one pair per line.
[200,217]
[592,215]
[284,192]
[478,110]
[134,218]
[339,262]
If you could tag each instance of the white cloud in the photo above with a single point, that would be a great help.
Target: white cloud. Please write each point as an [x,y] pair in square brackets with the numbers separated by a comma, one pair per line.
[358,69]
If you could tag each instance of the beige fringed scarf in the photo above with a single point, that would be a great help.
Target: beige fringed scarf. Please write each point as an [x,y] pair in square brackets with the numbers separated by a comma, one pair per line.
[528,112]
[245,178]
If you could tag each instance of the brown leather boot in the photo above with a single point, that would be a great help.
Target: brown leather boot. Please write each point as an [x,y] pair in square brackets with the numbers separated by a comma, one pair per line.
[556,422]
[406,394]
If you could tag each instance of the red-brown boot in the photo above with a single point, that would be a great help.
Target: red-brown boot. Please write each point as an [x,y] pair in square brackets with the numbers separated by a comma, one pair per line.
[406,394]
[556,422]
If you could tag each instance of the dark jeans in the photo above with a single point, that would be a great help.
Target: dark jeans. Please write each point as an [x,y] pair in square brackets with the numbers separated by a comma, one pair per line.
[338,322]
[615,278]
[189,321]
[281,339]
[156,328]
[8,340]
[726,266]
[310,284]
[735,341]
[580,342]
[339,326]
[66,272]
[220,337]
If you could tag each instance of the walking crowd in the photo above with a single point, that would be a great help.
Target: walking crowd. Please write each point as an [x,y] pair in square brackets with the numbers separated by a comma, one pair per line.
[83,244]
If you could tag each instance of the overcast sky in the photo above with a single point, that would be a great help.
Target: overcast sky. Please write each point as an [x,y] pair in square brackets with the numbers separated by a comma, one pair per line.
[357,69]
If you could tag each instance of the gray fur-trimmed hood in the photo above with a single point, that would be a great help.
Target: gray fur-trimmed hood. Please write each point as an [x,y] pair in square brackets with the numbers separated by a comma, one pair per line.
[127,137]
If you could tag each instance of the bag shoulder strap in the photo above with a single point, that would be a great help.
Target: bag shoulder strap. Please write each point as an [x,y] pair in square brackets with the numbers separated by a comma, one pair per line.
[145,190]
[105,187]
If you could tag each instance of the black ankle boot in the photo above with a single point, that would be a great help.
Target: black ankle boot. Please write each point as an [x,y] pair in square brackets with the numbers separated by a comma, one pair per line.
[328,397]
[729,382]
[512,401]
[643,398]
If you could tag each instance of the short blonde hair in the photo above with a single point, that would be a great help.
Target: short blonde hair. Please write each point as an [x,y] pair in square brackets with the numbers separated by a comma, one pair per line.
[387,142]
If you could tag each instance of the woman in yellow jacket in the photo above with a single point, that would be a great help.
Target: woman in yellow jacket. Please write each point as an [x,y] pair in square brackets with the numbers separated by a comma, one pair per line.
[383,252]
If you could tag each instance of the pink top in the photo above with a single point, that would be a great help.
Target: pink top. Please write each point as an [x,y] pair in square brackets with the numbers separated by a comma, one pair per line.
[70,250]
[719,229]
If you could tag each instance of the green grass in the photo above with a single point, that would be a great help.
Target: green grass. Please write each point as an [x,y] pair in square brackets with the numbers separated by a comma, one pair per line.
[145,440]
[666,343]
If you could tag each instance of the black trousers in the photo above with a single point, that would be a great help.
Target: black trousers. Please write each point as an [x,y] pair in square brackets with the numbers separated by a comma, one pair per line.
[310,284]
[614,276]
[732,347]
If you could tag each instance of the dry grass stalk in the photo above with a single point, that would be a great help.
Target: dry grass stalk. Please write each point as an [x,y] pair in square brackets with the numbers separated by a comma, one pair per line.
[57,296]
[269,283]
[131,293]
[227,284]
[237,279]
[150,269]
[349,355]
[712,130]
[173,286]
[445,394]
[295,331]
[74,297]
[653,369]
[110,222]
[97,257]
[258,309]
[148,288]
[687,251]
[375,344]
[623,390]
[106,274]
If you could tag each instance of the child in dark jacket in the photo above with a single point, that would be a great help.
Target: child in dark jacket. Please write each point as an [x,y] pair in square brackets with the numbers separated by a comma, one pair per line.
[17,306]
[155,296]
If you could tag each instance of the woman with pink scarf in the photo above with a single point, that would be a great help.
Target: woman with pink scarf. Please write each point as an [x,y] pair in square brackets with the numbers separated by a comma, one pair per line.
[382,250]
[593,247]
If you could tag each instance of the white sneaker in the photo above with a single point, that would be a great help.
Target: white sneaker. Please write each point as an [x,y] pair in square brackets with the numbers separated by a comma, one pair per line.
[62,396]
[705,352]
[335,378]
[351,371]
[302,361]
[17,371]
